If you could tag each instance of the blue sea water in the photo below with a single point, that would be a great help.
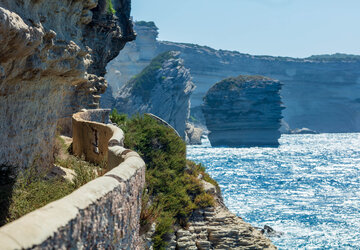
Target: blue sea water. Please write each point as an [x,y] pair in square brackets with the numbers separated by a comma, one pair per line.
[308,188]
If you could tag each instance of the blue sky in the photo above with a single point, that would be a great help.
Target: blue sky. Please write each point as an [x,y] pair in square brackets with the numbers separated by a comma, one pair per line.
[297,28]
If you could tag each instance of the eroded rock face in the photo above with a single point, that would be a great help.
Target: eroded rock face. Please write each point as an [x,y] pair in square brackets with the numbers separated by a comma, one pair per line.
[134,57]
[163,89]
[244,111]
[321,93]
[53,56]
[214,228]
[217,228]
[193,134]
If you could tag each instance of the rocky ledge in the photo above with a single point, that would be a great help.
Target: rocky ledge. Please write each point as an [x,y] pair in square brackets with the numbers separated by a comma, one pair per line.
[218,228]
[244,111]
[214,228]
[163,88]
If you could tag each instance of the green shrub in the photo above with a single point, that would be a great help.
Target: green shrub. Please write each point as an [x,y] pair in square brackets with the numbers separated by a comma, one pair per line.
[204,200]
[164,227]
[171,181]
[110,7]
[197,169]
[119,119]
[335,57]
[150,24]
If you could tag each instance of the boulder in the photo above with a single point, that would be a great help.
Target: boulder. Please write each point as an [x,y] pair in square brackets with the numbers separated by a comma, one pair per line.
[193,134]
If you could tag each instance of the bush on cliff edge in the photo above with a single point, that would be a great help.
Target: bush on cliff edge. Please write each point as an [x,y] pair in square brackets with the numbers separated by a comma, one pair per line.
[172,189]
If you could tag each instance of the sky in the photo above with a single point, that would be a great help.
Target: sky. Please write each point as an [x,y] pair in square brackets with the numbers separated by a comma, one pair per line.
[296,28]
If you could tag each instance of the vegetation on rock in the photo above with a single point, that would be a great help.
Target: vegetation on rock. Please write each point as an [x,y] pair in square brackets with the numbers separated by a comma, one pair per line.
[30,191]
[34,188]
[238,82]
[150,24]
[173,190]
[110,7]
[145,81]
[335,57]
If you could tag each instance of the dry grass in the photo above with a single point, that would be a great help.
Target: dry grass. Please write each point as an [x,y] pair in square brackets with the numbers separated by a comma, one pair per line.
[34,188]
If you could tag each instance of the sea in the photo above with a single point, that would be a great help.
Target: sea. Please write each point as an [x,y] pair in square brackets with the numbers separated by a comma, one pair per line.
[308,188]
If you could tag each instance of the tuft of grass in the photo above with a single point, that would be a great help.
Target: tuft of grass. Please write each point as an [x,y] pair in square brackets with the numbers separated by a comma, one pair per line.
[204,200]
[197,169]
[172,190]
[33,188]
[110,7]
[149,213]
[193,119]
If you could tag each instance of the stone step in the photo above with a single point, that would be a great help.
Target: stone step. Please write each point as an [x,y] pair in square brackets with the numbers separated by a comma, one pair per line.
[203,244]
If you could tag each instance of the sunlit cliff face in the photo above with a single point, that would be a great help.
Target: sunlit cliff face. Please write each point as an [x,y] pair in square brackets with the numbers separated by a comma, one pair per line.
[48,52]
[320,93]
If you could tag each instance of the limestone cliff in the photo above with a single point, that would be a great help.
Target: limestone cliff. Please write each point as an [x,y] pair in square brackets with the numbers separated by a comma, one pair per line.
[321,93]
[163,88]
[244,111]
[134,57]
[53,56]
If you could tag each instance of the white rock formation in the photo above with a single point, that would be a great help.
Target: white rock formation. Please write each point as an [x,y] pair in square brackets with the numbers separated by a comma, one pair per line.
[244,111]
[193,134]
[163,89]
[321,93]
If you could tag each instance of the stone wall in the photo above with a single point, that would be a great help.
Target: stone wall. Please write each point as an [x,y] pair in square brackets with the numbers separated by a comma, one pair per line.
[102,214]
[90,139]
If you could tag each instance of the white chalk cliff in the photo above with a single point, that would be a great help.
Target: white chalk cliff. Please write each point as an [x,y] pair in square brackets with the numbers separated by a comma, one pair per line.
[321,93]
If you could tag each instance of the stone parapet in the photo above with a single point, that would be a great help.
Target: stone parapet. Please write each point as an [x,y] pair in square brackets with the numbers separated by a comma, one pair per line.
[91,137]
[102,214]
